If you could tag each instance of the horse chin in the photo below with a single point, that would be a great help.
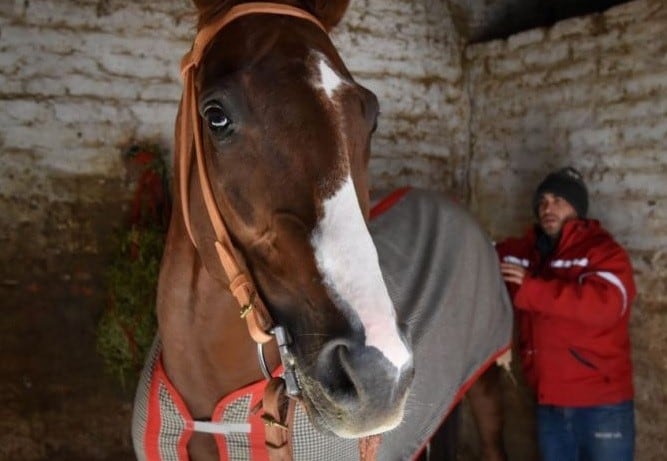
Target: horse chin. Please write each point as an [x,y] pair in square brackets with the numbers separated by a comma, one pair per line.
[330,418]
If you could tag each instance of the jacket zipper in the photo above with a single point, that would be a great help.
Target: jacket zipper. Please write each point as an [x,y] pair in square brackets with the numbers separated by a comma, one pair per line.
[582,360]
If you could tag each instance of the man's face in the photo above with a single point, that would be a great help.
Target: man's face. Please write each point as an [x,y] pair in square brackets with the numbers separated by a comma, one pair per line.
[553,211]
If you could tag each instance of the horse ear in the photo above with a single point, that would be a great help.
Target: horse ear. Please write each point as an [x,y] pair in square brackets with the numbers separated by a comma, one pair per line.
[328,12]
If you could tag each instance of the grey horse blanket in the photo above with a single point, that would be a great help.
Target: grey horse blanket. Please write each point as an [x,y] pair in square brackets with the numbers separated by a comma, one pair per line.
[442,273]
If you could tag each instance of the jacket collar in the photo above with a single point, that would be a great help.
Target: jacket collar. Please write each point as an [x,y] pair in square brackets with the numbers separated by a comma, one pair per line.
[572,232]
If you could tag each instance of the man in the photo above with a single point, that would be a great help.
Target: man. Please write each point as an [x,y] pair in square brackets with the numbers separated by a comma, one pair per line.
[572,288]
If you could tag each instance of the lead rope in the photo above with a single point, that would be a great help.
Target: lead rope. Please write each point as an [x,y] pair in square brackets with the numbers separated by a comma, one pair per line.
[278,409]
[368,447]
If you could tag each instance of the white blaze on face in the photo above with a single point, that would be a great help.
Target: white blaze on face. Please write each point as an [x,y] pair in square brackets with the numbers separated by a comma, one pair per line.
[348,261]
[330,81]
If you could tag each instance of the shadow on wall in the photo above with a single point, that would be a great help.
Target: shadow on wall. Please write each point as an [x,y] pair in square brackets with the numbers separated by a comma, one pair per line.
[481,20]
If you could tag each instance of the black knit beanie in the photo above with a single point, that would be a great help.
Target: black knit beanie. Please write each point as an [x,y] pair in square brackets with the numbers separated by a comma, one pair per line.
[566,183]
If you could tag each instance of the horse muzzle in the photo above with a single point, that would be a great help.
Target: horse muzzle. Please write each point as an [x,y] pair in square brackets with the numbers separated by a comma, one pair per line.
[355,391]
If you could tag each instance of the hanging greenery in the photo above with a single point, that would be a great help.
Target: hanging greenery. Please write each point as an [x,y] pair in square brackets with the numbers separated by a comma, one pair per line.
[128,324]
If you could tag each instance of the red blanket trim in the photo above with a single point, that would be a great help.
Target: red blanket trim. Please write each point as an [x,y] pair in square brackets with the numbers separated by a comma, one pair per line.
[258,450]
[152,436]
[463,389]
[388,201]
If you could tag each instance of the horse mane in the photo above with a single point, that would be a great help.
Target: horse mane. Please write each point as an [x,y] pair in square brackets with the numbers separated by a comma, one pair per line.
[328,12]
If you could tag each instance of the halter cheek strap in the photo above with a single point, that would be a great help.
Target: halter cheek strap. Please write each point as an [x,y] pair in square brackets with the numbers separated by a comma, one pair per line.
[241,284]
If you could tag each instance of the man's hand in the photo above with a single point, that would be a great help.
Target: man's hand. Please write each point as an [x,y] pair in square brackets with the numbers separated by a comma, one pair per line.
[513,273]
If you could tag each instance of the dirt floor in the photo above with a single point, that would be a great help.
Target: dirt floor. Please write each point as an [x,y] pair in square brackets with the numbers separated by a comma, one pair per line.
[56,402]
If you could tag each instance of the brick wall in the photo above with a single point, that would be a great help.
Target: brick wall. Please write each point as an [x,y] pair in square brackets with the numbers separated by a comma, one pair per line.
[79,80]
[591,92]
[409,54]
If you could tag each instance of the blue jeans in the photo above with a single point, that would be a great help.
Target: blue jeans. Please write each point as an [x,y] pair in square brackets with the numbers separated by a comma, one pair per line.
[599,433]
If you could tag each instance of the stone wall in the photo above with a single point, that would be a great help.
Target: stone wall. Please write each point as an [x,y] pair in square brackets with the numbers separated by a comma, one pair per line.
[590,92]
[79,81]
[409,54]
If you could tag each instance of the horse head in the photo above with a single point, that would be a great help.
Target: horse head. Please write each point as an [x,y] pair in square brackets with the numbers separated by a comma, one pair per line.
[281,137]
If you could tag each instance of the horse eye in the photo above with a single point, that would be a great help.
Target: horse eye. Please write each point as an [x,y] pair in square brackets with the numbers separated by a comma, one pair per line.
[217,120]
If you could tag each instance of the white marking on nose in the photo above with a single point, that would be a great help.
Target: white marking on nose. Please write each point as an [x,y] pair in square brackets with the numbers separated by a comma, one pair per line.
[348,261]
[329,79]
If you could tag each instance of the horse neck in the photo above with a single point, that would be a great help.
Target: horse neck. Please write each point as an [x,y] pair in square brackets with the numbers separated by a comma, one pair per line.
[207,351]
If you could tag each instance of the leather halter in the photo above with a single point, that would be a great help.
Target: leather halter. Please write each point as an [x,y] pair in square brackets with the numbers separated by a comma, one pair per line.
[241,285]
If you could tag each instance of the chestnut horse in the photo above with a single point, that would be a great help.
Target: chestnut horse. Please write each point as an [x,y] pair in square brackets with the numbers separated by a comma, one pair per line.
[268,244]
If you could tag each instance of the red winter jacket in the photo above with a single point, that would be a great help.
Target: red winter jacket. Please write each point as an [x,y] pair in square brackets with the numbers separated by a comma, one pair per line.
[572,314]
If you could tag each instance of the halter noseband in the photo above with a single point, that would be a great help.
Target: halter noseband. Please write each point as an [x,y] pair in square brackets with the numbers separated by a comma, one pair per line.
[241,285]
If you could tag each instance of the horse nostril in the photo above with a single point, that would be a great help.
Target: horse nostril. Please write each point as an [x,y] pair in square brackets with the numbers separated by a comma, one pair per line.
[352,373]
[358,388]
[335,372]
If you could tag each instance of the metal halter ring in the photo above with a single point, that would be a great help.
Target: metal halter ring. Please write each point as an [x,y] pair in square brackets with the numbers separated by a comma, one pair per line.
[262,361]
[286,358]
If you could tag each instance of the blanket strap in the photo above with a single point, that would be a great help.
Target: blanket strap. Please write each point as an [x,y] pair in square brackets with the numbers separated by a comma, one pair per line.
[278,420]
[368,447]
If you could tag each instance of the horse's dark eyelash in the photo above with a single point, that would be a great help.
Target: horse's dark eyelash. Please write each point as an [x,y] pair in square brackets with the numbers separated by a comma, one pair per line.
[214,105]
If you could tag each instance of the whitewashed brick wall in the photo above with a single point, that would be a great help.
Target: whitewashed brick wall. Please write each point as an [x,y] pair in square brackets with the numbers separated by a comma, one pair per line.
[79,80]
[590,92]
[409,54]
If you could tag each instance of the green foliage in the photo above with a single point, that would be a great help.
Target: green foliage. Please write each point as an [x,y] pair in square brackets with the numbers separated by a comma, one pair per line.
[128,325]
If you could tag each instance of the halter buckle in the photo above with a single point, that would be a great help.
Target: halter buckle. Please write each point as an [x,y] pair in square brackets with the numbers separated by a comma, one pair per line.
[246,308]
[272,422]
